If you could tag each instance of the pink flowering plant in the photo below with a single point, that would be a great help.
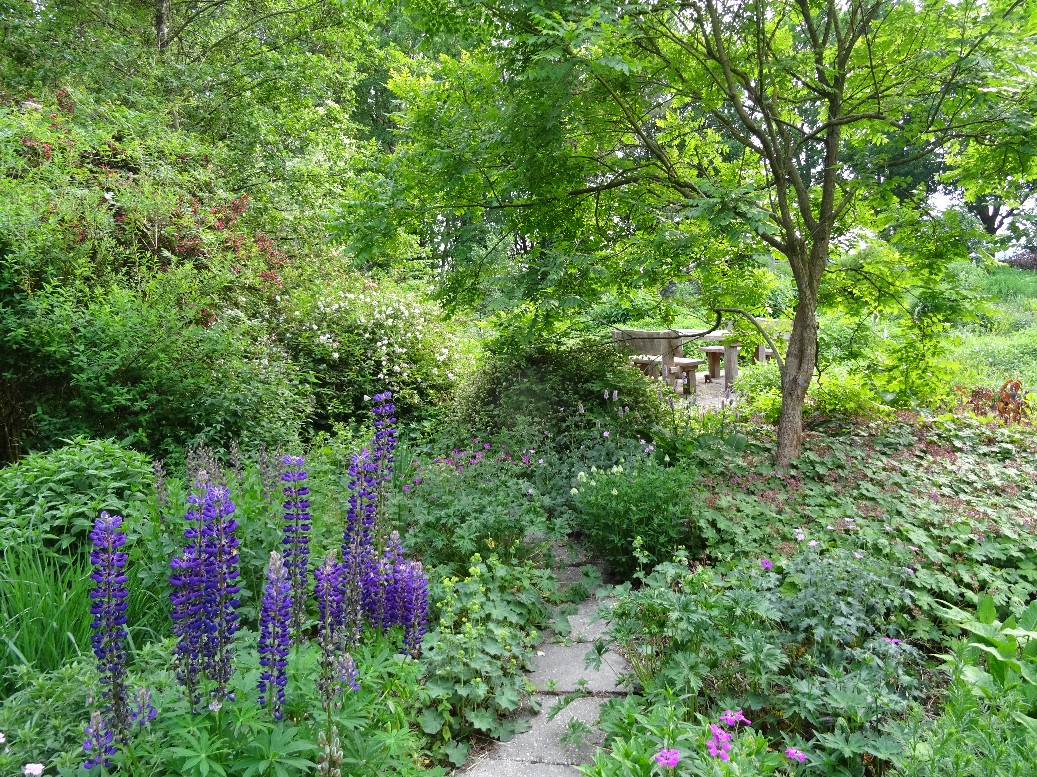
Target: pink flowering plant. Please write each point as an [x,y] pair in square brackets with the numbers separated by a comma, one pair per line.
[760,635]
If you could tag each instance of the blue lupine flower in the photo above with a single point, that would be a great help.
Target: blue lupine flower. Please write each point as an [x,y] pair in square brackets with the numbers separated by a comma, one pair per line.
[275,635]
[296,539]
[109,728]
[204,598]
[98,743]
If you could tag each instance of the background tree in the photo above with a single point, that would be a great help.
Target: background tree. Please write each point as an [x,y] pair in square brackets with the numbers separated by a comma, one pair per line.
[612,144]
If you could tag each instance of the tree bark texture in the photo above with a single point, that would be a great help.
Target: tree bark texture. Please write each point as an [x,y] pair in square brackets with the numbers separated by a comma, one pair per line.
[800,362]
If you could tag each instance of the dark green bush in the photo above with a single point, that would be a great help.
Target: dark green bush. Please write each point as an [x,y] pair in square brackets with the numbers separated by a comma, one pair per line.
[542,385]
[52,499]
[141,366]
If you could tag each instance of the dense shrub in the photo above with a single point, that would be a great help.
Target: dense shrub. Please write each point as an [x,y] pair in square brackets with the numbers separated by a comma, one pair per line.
[51,499]
[356,339]
[542,386]
[643,500]
[140,366]
[471,501]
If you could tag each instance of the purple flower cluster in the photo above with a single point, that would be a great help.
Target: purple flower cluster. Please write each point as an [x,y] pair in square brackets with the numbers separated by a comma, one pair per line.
[204,579]
[109,728]
[668,758]
[399,595]
[98,743]
[719,742]
[337,629]
[795,755]
[296,539]
[108,606]
[275,635]
[384,444]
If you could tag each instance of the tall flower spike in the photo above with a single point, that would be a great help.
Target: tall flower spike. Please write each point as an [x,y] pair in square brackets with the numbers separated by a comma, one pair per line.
[205,591]
[414,605]
[275,636]
[296,539]
[219,597]
[109,603]
[108,606]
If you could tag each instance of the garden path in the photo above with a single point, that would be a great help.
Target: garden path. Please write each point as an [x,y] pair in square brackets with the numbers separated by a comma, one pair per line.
[559,670]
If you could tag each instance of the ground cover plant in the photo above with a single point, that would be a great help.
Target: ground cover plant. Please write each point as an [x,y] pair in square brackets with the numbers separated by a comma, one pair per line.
[308,379]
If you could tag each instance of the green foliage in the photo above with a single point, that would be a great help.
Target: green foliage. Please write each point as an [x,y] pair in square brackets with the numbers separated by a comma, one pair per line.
[52,499]
[138,365]
[950,500]
[636,731]
[540,386]
[616,508]
[476,651]
[357,338]
[837,394]
[1000,658]
[44,611]
[470,502]
[43,720]
[812,651]
[973,736]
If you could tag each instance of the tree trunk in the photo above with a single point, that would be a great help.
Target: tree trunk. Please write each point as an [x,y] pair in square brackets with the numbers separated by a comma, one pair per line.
[800,363]
[162,14]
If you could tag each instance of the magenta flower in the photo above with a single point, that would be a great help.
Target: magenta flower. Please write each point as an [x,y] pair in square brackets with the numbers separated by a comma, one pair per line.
[667,758]
[766,564]
[795,755]
[730,718]
[719,744]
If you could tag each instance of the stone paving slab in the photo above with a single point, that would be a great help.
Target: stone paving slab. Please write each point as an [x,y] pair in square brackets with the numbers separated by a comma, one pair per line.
[542,743]
[498,768]
[585,625]
[564,664]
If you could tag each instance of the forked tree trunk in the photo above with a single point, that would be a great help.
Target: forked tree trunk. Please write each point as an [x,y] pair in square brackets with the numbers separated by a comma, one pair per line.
[800,362]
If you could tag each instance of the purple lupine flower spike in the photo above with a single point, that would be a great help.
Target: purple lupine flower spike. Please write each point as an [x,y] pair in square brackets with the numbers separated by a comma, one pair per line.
[219,597]
[414,600]
[296,539]
[205,590]
[109,728]
[335,631]
[275,635]
[98,743]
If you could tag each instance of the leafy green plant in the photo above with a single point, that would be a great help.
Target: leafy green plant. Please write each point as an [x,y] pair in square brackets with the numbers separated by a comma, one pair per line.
[51,499]
[809,649]
[471,501]
[1000,657]
[475,655]
[975,735]
[647,500]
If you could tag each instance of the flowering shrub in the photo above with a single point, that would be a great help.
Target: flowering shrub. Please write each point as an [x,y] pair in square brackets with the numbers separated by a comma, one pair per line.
[358,340]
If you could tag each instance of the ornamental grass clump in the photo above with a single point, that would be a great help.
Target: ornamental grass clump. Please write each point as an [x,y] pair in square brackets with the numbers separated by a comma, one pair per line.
[275,639]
